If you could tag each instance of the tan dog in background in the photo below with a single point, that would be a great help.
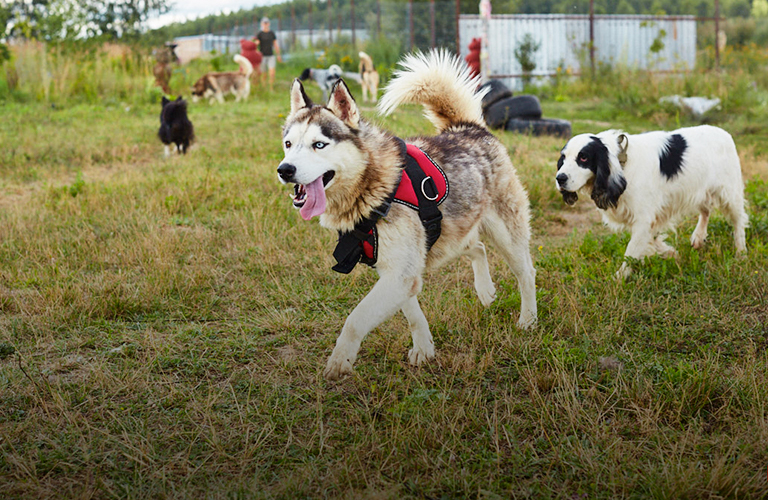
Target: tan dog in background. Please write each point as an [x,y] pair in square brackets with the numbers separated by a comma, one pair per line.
[215,85]
[369,77]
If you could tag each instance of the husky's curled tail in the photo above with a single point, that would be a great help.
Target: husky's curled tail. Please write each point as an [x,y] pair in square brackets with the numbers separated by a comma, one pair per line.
[246,67]
[441,83]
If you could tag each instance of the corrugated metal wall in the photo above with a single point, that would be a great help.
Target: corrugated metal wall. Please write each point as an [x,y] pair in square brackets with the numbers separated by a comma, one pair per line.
[564,42]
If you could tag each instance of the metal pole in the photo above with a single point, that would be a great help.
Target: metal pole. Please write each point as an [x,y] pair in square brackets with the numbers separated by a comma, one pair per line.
[310,23]
[485,16]
[592,36]
[432,23]
[717,34]
[378,18]
[352,7]
[330,22]
[293,27]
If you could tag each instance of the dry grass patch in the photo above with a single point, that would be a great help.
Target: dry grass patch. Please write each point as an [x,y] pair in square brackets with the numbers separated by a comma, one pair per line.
[166,325]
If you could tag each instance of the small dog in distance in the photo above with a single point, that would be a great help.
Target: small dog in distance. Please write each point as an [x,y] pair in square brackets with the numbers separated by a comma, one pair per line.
[175,127]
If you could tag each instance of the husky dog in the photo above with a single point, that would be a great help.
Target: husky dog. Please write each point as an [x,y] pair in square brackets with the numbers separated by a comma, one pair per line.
[325,78]
[344,168]
[369,77]
[646,182]
[215,85]
[175,127]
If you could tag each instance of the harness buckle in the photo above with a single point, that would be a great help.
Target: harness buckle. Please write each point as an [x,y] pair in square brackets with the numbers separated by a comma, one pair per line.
[383,209]
[432,228]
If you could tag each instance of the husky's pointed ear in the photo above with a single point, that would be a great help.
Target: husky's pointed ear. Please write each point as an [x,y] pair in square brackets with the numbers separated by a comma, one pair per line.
[165,100]
[299,98]
[178,98]
[343,105]
[610,182]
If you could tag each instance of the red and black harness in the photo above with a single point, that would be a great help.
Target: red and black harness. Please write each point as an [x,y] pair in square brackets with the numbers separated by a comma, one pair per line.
[423,186]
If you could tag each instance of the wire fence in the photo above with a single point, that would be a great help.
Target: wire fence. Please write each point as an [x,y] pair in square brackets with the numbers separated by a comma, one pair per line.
[406,26]
[579,42]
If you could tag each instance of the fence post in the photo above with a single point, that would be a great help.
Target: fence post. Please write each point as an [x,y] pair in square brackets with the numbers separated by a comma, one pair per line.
[352,7]
[432,23]
[293,26]
[410,21]
[592,36]
[310,23]
[717,34]
[485,57]
[378,18]
[330,22]
[458,35]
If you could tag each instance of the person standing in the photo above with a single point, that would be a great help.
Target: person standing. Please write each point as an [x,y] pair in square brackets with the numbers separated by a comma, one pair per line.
[266,40]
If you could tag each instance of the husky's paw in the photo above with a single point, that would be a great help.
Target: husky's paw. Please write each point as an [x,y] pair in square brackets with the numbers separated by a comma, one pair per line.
[623,273]
[697,240]
[526,321]
[486,293]
[421,354]
[337,367]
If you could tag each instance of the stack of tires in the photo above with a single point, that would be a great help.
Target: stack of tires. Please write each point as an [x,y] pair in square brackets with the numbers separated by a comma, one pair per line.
[521,113]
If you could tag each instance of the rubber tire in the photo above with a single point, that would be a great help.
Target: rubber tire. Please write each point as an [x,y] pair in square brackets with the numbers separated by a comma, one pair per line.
[519,106]
[498,92]
[542,126]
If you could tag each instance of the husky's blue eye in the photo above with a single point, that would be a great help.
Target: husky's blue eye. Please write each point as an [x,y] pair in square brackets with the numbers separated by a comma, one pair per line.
[319,145]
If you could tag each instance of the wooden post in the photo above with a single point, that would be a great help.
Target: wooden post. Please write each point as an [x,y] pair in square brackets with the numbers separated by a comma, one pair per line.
[432,23]
[410,20]
[458,37]
[592,35]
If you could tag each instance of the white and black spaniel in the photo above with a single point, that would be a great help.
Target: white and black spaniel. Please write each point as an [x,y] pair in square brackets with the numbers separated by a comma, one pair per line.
[645,183]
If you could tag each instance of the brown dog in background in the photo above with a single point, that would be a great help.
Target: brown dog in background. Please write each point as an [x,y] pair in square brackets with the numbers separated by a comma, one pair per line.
[163,69]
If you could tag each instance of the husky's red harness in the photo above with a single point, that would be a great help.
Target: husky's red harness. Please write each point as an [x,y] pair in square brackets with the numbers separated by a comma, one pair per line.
[423,186]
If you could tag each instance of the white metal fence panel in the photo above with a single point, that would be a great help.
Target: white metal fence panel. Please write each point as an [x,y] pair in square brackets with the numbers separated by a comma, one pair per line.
[564,42]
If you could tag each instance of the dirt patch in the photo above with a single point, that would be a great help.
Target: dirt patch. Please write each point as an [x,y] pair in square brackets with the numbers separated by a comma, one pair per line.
[287,354]
[559,225]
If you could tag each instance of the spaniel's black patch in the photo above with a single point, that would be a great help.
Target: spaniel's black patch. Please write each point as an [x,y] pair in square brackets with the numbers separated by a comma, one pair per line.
[593,155]
[671,157]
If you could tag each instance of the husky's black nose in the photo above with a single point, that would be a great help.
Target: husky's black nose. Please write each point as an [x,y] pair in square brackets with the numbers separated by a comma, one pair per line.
[286,171]
[561,179]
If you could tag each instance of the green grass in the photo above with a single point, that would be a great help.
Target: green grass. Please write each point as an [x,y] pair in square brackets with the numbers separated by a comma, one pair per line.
[165,324]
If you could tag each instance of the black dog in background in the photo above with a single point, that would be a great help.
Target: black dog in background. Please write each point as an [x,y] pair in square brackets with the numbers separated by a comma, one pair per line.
[175,127]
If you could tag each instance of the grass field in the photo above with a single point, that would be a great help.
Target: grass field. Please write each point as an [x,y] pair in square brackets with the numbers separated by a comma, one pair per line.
[165,324]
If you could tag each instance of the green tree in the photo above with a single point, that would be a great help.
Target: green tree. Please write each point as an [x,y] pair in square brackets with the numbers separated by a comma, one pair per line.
[759,8]
[71,19]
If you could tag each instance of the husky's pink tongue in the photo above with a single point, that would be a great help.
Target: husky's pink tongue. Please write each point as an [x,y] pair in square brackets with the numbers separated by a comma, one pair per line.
[315,202]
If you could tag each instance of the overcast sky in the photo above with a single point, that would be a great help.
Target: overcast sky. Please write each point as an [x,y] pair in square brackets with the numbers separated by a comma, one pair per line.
[191,9]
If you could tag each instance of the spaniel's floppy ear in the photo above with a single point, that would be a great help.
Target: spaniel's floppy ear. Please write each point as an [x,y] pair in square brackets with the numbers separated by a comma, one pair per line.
[343,105]
[609,179]
[299,98]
